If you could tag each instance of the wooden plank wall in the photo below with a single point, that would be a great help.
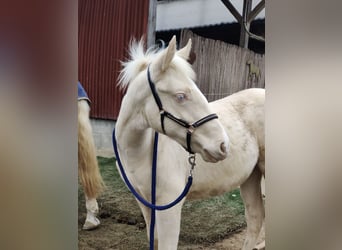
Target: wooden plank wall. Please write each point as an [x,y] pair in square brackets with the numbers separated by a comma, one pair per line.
[222,68]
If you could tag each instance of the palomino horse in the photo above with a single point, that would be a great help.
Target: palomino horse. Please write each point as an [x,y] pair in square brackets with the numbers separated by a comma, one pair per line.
[88,170]
[225,164]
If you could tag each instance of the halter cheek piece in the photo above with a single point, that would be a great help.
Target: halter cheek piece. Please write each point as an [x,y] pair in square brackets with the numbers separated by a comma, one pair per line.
[163,113]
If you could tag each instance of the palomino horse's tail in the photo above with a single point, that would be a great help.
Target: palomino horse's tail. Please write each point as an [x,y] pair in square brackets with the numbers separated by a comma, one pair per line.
[88,169]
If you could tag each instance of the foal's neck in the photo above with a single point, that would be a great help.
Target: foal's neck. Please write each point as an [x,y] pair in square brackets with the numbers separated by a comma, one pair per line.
[132,132]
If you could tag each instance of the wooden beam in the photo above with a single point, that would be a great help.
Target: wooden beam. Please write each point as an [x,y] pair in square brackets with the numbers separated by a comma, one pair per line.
[151,26]
[256,10]
[232,10]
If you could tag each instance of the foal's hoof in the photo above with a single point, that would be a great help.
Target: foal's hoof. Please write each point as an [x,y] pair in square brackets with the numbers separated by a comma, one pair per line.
[91,223]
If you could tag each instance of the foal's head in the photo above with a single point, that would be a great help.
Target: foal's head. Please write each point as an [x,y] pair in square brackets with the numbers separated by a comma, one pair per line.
[177,103]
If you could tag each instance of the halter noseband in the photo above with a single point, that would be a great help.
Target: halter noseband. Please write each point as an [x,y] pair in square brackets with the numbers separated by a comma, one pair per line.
[189,126]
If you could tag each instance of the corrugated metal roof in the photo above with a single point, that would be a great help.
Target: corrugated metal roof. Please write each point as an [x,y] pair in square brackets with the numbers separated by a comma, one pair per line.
[105,29]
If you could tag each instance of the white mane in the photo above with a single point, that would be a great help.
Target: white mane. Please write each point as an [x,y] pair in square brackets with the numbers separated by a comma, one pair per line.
[139,59]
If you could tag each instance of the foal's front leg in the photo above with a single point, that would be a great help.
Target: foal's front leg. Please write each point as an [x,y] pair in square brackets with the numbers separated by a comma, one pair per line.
[168,227]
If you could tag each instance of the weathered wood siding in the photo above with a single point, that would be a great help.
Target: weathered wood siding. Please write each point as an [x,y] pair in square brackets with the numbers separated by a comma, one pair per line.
[222,68]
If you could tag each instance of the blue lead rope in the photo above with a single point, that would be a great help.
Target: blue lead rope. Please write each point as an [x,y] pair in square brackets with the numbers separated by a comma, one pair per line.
[153,189]
[151,205]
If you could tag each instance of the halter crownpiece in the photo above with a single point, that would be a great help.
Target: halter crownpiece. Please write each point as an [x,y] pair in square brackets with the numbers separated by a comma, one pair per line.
[163,113]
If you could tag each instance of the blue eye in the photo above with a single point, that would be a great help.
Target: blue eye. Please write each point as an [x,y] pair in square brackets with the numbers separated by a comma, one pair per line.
[181,97]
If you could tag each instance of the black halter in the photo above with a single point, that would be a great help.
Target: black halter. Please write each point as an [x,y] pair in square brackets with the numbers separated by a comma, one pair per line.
[189,126]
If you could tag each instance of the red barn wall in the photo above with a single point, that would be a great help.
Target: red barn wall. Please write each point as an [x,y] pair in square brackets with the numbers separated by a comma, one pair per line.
[105,29]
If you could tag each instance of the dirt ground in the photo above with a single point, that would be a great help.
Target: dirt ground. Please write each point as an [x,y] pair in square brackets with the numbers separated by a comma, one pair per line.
[216,224]
[105,237]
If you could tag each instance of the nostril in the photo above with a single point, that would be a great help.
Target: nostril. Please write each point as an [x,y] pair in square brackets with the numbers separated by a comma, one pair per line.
[223,147]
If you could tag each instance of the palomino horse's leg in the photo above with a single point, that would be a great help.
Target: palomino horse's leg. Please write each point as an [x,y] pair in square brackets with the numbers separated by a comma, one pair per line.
[92,210]
[260,246]
[88,169]
[254,208]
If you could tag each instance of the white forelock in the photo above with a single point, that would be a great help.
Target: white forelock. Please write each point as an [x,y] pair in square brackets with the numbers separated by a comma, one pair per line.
[137,62]
[139,59]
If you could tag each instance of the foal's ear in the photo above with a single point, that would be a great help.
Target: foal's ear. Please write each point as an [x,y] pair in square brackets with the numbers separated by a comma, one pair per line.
[165,58]
[185,51]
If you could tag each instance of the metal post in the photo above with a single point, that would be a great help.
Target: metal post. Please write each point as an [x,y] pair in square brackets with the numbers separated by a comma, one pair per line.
[257,9]
[244,37]
[232,10]
[151,26]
